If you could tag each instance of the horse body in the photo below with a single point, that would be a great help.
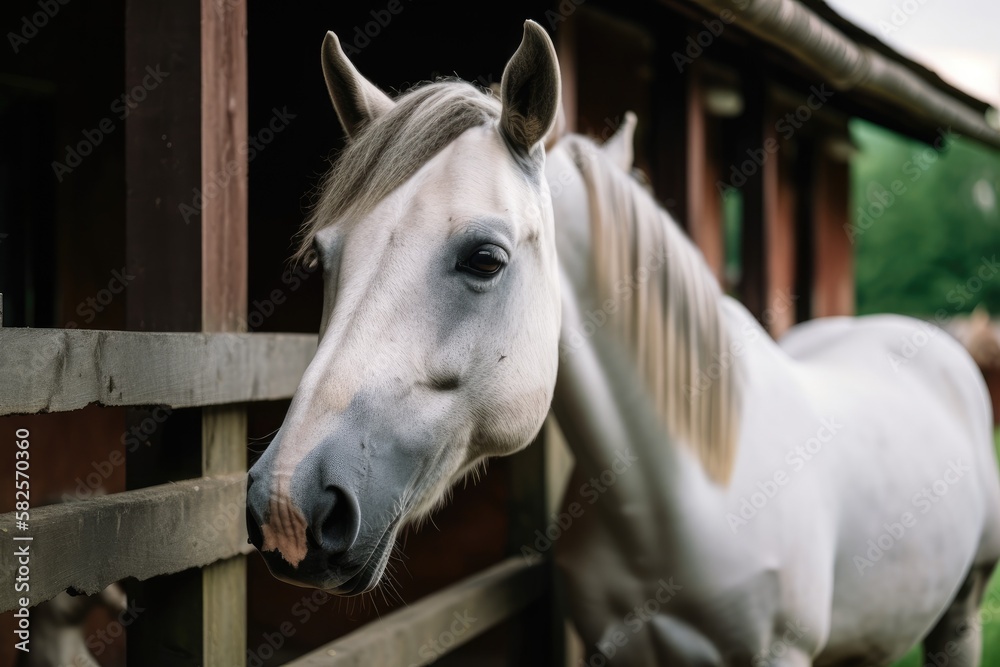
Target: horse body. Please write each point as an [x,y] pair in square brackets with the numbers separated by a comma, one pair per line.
[829,500]
[914,479]
[863,493]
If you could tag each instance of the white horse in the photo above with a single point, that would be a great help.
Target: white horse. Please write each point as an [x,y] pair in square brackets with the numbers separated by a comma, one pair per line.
[829,501]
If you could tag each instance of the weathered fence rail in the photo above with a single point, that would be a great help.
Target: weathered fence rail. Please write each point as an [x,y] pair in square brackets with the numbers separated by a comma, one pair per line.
[429,628]
[54,370]
[144,533]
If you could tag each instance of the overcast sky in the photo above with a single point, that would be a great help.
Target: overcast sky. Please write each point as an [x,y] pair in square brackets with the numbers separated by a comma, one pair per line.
[959,39]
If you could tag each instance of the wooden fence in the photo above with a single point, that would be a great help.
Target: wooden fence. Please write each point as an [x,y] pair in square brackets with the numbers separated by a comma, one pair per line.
[199,523]
[185,541]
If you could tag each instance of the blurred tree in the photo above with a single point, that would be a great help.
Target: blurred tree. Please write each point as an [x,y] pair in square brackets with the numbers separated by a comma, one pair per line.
[926,224]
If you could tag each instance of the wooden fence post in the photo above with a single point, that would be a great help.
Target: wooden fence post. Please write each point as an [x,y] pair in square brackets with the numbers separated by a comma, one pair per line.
[538,633]
[224,295]
[186,219]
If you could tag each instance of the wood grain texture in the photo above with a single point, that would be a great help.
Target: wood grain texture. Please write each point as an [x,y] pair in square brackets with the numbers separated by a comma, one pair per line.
[187,247]
[224,584]
[224,612]
[224,267]
[704,172]
[163,166]
[833,252]
[163,238]
[53,370]
[780,205]
[425,630]
[142,534]
[224,167]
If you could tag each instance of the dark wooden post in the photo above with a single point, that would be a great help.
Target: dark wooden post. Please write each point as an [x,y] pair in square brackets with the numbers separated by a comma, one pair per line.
[704,202]
[750,136]
[805,182]
[779,200]
[833,250]
[540,631]
[224,294]
[186,219]
[669,129]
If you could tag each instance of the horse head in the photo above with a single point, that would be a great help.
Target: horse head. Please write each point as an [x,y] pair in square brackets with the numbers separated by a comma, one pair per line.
[441,318]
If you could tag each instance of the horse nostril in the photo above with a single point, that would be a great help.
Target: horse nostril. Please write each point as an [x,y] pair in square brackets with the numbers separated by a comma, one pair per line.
[336,521]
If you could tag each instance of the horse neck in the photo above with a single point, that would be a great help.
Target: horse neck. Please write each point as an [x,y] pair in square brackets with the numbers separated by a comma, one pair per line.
[650,286]
[639,330]
[654,496]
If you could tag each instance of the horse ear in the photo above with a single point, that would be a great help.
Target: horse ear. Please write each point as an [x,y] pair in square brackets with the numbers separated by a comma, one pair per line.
[619,148]
[356,99]
[529,90]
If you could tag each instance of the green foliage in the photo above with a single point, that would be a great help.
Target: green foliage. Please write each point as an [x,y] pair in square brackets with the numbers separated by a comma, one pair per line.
[732,220]
[926,224]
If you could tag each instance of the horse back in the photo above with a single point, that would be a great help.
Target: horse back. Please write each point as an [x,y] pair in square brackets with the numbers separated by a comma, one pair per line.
[898,351]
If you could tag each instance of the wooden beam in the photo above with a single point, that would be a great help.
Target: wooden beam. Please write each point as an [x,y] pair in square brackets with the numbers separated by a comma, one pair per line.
[833,250]
[669,130]
[224,166]
[163,205]
[805,184]
[537,635]
[425,630]
[779,219]
[187,247]
[704,171]
[143,533]
[163,166]
[53,370]
[224,583]
[224,267]
[750,130]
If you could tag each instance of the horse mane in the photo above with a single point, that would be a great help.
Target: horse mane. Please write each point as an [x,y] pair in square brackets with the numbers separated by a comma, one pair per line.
[669,309]
[389,150]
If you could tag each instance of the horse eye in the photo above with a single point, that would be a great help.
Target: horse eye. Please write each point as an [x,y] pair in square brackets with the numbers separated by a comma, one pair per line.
[484,261]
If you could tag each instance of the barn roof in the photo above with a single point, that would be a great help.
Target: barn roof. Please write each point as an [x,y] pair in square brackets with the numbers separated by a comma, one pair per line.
[886,85]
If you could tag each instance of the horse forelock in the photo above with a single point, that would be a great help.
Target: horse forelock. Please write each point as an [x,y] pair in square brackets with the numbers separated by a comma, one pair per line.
[393,147]
[673,319]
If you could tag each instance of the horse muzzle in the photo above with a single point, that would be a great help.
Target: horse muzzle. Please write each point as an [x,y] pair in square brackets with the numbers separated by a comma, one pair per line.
[316,540]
